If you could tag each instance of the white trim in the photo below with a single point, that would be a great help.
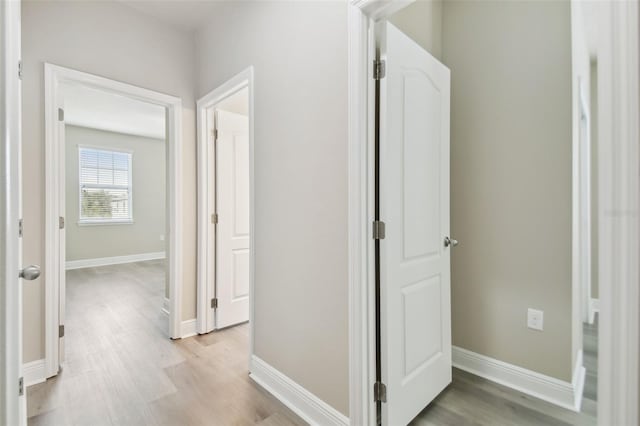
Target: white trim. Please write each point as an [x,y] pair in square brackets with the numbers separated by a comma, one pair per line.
[302,402]
[34,372]
[54,190]
[12,406]
[166,306]
[188,328]
[564,394]
[206,203]
[619,214]
[114,260]
[594,308]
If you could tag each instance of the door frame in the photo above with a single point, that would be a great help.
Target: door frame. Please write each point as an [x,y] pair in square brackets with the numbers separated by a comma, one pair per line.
[13,409]
[206,202]
[618,381]
[54,76]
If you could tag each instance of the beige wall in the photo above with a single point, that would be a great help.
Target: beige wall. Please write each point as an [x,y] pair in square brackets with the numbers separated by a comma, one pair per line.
[422,21]
[110,40]
[148,198]
[511,179]
[299,51]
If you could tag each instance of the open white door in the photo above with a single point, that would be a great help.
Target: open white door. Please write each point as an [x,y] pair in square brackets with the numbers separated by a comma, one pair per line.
[232,231]
[12,391]
[415,279]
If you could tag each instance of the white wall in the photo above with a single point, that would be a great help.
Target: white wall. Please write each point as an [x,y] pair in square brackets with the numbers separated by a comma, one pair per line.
[299,51]
[114,41]
[511,136]
[148,198]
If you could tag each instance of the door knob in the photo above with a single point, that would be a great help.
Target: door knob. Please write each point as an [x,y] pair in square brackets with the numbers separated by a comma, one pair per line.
[30,272]
[450,242]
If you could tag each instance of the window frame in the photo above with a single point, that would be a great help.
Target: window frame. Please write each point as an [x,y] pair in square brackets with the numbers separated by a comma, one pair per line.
[105,221]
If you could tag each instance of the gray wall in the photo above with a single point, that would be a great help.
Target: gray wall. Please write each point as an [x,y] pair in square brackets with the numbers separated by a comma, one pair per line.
[422,21]
[299,51]
[148,198]
[114,41]
[511,121]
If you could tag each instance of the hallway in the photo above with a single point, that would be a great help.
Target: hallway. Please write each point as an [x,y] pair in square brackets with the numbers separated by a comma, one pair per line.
[122,369]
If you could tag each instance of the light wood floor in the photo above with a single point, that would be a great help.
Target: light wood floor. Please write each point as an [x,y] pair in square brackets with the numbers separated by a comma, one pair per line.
[121,369]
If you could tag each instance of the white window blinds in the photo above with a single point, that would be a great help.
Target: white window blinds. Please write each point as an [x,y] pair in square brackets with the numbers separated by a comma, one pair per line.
[105,185]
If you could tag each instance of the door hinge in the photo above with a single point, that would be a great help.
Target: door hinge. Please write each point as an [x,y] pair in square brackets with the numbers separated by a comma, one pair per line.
[214,218]
[214,303]
[215,135]
[61,222]
[379,69]
[20,386]
[378,230]
[61,330]
[20,70]
[379,392]
[20,228]
[60,114]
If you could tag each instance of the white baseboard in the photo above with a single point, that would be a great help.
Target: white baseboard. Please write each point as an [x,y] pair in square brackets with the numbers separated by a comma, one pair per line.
[188,328]
[302,402]
[165,306]
[34,372]
[558,392]
[115,260]
[594,307]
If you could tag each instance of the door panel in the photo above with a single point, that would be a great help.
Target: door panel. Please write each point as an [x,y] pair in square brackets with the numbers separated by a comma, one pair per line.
[232,200]
[414,204]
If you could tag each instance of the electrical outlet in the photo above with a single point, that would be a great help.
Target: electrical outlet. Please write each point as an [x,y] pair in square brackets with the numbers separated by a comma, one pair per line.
[535,319]
[162,237]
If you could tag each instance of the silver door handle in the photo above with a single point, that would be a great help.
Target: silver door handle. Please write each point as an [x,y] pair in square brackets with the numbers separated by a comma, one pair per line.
[450,242]
[30,272]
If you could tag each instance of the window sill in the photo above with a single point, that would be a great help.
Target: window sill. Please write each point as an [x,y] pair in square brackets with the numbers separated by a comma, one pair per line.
[105,222]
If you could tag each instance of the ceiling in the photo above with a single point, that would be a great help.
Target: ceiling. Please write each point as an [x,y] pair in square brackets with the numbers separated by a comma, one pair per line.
[97,109]
[187,15]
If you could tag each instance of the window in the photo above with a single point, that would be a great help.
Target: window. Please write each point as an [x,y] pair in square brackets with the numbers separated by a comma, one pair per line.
[105,186]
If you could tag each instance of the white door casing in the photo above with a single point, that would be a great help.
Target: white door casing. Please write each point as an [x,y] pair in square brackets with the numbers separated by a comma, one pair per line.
[414,204]
[232,231]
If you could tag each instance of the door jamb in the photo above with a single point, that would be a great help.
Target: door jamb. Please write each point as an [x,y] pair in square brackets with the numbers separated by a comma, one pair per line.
[54,177]
[362,15]
[205,230]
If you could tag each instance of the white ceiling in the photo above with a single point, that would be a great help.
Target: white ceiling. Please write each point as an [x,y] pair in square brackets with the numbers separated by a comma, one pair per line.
[188,15]
[96,109]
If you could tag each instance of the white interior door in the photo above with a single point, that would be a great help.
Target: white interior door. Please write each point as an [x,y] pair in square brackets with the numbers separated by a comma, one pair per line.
[12,392]
[415,279]
[232,201]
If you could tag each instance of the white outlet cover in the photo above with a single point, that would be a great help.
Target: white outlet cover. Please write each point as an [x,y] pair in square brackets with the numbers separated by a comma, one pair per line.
[535,319]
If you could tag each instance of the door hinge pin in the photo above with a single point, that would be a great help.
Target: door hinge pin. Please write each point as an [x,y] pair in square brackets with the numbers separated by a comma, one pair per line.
[378,230]
[20,70]
[61,222]
[214,218]
[214,303]
[215,135]
[60,114]
[379,392]
[21,386]
[379,69]
[20,227]
[61,330]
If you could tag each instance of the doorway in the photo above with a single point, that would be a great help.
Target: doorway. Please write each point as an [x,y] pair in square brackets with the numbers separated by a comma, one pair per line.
[225,206]
[108,144]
